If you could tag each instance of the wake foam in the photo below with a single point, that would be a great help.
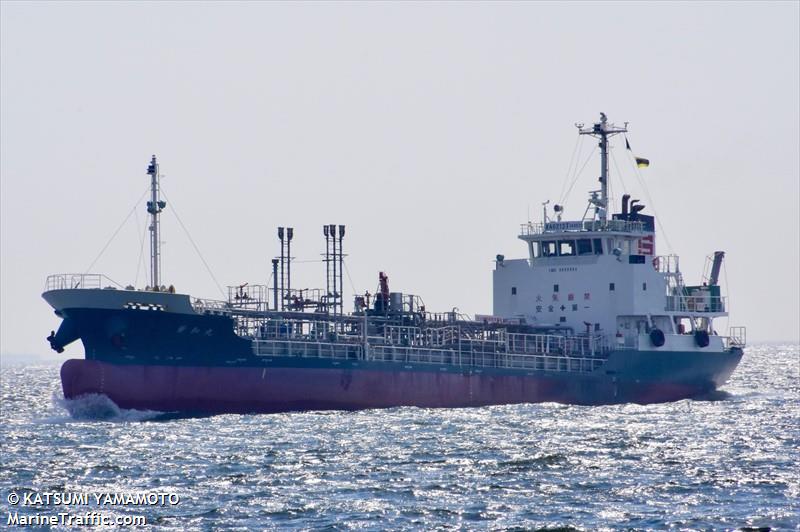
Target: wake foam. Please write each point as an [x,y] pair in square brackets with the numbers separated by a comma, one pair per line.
[99,407]
[713,396]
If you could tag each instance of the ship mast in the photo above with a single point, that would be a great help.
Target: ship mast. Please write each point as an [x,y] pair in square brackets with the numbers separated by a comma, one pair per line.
[154,208]
[602,130]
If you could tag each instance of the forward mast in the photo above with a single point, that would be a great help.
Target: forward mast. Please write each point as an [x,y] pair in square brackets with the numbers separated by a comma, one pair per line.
[154,208]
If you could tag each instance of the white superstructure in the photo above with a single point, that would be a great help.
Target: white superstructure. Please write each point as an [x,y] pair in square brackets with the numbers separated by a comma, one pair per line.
[602,274]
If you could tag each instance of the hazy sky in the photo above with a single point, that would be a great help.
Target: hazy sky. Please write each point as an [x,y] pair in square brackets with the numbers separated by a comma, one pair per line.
[429,129]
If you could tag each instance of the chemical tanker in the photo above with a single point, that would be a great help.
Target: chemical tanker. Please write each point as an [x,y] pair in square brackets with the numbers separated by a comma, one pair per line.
[592,315]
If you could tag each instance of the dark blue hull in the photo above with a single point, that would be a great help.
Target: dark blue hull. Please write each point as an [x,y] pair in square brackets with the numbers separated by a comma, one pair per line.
[195,363]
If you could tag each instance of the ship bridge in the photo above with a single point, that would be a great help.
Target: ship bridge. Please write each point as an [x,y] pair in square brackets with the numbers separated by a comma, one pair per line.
[619,236]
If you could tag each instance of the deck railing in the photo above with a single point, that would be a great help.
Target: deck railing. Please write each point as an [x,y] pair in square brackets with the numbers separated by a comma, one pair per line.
[201,306]
[64,281]
[461,339]
[617,226]
[699,303]
[667,264]
[416,355]
[737,337]
[249,296]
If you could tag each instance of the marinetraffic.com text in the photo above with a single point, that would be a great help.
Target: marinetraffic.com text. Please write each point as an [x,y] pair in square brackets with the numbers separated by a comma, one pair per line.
[70,509]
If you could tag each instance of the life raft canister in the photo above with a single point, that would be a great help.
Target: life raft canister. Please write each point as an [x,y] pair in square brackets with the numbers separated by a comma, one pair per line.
[657,337]
[701,338]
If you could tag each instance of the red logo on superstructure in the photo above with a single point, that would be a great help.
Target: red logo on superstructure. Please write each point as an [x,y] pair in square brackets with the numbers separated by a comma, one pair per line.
[647,245]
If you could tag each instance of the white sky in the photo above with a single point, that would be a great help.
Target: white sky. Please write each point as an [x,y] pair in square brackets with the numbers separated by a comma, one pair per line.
[429,129]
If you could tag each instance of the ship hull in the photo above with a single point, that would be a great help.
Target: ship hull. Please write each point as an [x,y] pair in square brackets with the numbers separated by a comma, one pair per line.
[627,377]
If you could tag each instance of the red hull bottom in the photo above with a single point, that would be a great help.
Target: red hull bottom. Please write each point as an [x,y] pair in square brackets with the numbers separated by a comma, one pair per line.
[216,390]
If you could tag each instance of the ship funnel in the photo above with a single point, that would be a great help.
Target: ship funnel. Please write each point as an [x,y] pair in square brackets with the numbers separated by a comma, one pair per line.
[625,198]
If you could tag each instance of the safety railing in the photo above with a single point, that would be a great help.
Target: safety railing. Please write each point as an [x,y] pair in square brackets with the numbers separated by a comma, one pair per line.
[549,343]
[467,356]
[64,281]
[210,305]
[698,303]
[667,263]
[617,226]
[737,337]
[249,296]
[338,350]
[429,336]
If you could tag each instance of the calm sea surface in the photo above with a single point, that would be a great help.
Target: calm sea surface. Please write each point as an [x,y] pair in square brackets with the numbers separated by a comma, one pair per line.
[728,462]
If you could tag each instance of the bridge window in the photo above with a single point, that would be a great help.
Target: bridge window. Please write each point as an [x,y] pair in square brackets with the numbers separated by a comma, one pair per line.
[611,287]
[549,248]
[513,290]
[566,248]
[598,246]
[584,246]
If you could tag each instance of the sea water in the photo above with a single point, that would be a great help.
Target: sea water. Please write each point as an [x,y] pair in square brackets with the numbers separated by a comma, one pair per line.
[727,461]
